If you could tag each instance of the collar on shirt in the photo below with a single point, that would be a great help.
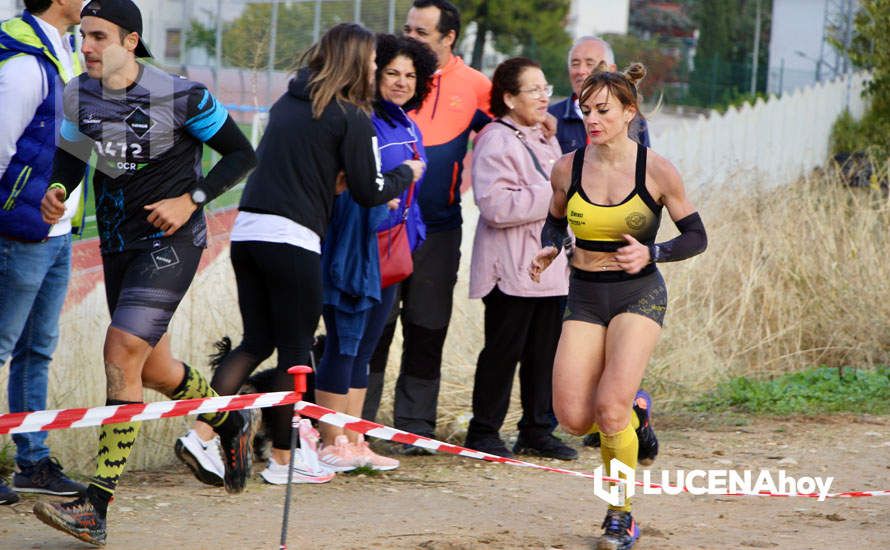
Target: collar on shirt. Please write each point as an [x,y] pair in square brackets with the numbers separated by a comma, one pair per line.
[60,43]
[62,46]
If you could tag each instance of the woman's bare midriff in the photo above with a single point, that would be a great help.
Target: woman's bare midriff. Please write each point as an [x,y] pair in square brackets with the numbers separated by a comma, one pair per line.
[589,260]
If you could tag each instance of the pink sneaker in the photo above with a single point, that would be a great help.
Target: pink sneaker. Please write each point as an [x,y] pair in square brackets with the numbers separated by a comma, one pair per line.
[372,459]
[341,456]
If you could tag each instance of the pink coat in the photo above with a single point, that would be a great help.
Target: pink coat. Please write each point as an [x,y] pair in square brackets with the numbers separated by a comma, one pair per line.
[513,199]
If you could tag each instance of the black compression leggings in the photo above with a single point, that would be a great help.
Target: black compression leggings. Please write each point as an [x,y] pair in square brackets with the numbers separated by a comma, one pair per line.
[279,295]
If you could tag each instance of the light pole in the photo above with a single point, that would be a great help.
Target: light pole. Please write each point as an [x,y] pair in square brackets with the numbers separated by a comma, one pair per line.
[273,38]
[756,54]
[818,62]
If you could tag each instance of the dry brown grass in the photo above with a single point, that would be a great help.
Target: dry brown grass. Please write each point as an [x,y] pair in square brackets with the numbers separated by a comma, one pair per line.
[793,277]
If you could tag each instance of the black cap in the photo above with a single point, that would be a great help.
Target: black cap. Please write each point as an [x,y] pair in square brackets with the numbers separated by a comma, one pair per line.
[123,13]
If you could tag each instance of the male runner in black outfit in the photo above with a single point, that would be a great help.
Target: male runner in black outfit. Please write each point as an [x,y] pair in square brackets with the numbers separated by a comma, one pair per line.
[147,129]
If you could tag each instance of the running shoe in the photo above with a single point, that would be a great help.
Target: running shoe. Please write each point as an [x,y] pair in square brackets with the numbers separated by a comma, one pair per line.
[78,518]
[375,461]
[621,531]
[592,440]
[7,494]
[548,446]
[341,456]
[276,473]
[235,447]
[46,477]
[204,458]
[492,445]
[414,450]
[648,448]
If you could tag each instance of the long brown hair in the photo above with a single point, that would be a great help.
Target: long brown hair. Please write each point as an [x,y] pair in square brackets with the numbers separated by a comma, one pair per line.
[340,67]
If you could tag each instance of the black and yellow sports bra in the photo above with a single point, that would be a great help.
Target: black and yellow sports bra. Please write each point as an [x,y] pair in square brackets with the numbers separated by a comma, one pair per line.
[599,227]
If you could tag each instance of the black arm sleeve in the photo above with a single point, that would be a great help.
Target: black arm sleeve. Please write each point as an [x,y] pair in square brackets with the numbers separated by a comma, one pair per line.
[360,159]
[238,158]
[555,232]
[69,164]
[691,241]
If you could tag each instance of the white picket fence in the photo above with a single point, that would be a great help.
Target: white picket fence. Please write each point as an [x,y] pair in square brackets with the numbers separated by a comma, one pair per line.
[770,143]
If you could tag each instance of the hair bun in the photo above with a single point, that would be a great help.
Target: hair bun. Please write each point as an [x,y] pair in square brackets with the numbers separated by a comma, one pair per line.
[635,72]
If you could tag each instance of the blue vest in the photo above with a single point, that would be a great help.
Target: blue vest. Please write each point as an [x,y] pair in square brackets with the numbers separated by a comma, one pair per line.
[26,178]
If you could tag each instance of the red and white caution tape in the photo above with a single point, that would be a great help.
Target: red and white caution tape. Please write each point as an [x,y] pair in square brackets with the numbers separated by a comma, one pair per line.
[345,421]
[16,423]
[13,423]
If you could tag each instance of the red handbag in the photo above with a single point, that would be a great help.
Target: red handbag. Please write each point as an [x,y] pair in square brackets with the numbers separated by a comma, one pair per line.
[396,263]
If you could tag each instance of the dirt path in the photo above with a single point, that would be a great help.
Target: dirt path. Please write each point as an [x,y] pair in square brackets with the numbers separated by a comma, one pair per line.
[447,503]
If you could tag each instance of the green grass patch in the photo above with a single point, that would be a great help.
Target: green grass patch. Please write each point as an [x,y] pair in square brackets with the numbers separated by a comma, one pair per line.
[7,460]
[814,391]
[363,470]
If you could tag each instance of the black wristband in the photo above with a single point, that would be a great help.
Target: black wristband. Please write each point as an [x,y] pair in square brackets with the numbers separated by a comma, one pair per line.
[555,232]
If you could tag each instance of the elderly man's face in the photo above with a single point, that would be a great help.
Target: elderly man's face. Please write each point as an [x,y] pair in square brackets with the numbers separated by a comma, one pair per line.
[583,60]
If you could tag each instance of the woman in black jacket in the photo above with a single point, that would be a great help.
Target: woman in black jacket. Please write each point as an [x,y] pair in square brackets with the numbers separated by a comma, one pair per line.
[319,137]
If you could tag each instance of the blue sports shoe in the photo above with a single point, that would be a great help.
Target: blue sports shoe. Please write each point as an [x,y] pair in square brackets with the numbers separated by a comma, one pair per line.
[648,449]
[7,494]
[621,531]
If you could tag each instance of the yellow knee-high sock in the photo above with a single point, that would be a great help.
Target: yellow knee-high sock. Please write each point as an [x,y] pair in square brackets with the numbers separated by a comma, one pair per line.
[622,445]
[194,386]
[115,444]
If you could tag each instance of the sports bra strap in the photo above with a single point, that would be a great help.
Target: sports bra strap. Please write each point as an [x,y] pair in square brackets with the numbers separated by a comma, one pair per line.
[640,179]
[577,166]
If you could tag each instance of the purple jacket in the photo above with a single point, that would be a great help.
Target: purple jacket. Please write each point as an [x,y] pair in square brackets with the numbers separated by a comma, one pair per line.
[397,139]
[513,199]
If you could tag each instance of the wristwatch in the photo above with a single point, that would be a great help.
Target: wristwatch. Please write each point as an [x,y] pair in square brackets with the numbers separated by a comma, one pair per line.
[199,196]
[654,253]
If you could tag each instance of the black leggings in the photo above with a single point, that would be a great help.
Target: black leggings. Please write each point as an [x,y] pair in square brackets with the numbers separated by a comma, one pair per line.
[279,295]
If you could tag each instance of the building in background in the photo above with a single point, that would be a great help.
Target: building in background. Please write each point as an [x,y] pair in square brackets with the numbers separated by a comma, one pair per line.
[165,24]
[799,53]
[597,17]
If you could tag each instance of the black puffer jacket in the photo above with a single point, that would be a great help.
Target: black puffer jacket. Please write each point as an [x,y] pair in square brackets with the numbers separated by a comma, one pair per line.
[299,158]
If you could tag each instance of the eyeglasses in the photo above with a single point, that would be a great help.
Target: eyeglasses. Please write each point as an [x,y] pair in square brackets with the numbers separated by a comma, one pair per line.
[538,93]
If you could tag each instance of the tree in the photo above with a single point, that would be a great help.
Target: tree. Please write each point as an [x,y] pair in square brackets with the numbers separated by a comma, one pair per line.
[533,28]
[246,39]
[650,19]
[722,66]
[869,49]
[660,67]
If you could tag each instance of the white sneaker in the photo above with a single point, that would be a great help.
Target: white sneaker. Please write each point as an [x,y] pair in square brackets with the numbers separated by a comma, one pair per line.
[204,458]
[308,451]
[276,473]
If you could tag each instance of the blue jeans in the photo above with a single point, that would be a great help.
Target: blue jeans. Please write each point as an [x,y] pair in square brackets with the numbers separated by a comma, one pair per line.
[33,284]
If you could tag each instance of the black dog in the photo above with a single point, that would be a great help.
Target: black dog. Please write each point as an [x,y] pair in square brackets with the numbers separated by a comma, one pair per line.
[262,382]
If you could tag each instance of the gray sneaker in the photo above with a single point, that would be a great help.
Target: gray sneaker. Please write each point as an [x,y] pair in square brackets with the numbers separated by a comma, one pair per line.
[46,478]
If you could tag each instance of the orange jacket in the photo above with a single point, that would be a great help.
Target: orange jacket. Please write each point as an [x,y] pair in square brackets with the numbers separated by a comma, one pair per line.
[458,102]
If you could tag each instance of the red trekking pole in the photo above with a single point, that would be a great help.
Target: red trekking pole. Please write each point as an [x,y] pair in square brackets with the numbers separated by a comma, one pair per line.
[299,373]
